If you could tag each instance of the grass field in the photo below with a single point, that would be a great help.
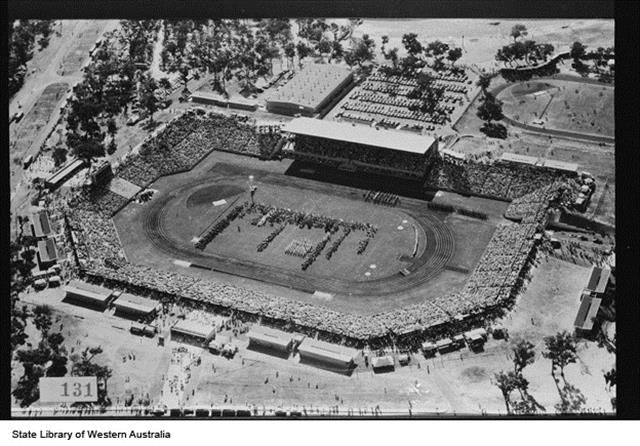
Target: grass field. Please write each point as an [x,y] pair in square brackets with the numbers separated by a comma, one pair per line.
[162,231]
[561,105]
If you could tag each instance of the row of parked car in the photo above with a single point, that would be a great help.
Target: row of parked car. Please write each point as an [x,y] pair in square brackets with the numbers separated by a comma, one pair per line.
[474,339]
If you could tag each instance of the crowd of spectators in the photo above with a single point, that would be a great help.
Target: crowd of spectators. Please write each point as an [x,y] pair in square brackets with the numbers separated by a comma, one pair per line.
[187,139]
[490,284]
[360,155]
[495,180]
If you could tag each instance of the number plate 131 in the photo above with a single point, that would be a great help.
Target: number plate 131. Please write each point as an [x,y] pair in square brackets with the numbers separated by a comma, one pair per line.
[71,389]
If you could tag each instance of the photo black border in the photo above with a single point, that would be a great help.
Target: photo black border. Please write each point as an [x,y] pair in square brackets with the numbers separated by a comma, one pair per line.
[626,114]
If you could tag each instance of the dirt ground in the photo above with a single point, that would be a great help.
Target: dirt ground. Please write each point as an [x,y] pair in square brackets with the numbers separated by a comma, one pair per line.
[561,105]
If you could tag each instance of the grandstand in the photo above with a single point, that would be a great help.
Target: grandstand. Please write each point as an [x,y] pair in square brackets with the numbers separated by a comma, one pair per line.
[352,147]
[310,90]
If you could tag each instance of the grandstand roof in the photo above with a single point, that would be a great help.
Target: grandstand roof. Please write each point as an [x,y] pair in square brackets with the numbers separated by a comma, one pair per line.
[40,224]
[561,165]
[312,85]
[517,158]
[339,131]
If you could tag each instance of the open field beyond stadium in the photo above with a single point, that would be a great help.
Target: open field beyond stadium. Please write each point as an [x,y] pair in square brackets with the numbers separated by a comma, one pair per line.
[561,105]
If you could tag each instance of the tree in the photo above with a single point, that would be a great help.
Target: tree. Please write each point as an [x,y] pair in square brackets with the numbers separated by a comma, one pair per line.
[561,350]
[484,80]
[578,51]
[518,30]
[362,49]
[82,365]
[42,319]
[112,128]
[411,44]
[88,151]
[290,53]
[506,382]
[490,109]
[610,378]
[59,156]
[148,98]
[523,355]
[303,51]
[454,54]
[164,83]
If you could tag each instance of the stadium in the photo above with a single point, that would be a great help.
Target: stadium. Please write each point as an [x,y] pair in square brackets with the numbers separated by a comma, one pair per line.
[347,262]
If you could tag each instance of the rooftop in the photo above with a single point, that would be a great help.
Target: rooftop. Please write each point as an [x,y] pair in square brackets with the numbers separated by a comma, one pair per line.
[311,85]
[136,303]
[193,328]
[357,134]
[40,222]
[47,249]
[320,348]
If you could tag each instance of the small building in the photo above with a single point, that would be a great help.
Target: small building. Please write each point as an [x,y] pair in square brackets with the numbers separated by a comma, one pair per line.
[40,284]
[404,359]
[383,363]
[429,348]
[310,90]
[136,306]
[458,341]
[88,294]
[598,280]
[47,253]
[40,225]
[192,332]
[264,337]
[334,356]
[444,345]
[587,315]
[63,174]
[215,347]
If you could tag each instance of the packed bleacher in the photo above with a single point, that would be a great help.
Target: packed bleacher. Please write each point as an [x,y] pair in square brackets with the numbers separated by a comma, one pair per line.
[187,139]
[376,160]
[497,275]
[495,180]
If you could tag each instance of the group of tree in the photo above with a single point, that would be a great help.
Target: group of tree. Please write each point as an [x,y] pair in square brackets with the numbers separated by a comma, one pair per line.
[107,88]
[523,403]
[237,49]
[599,57]
[419,62]
[50,358]
[561,350]
[523,50]
[490,109]
[23,35]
